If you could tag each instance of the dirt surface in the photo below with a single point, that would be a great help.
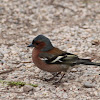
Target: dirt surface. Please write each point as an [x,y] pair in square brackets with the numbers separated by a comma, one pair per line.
[72,25]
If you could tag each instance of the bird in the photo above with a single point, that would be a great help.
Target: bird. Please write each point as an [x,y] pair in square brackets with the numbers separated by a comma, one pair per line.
[51,59]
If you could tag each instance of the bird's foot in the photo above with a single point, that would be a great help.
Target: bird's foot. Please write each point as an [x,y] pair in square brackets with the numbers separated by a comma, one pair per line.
[59,81]
[50,79]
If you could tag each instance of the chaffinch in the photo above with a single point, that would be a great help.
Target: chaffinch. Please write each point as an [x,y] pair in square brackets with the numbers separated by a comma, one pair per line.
[56,59]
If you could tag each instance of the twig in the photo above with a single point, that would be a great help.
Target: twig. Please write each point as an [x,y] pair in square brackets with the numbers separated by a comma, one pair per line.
[7,71]
[12,69]
[22,62]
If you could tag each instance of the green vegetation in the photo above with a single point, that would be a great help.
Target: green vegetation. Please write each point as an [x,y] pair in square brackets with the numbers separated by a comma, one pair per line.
[20,84]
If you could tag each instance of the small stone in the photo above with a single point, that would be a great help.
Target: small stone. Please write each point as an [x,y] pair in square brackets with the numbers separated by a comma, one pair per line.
[21,97]
[74,70]
[15,76]
[35,30]
[23,70]
[2,62]
[1,55]
[88,85]
[65,84]
[28,88]
[95,42]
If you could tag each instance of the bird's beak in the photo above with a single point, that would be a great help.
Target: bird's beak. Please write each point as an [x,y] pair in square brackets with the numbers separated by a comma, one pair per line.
[30,45]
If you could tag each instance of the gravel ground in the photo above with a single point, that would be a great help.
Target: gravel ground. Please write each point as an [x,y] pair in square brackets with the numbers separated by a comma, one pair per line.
[72,25]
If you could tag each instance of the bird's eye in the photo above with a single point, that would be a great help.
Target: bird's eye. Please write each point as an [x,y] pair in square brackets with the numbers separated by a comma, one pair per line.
[37,43]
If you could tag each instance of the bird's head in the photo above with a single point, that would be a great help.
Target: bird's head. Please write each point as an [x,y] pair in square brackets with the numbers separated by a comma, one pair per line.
[41,42]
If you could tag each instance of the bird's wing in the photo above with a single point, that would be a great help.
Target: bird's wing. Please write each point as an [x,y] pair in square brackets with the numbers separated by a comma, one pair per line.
[57,56]
[65,58]
[51,53]
[46,55]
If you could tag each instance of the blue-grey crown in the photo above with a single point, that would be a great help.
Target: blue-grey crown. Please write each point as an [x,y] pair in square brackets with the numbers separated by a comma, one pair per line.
[48,43]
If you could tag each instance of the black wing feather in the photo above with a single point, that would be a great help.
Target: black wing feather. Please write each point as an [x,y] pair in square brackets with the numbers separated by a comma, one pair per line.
[62,59]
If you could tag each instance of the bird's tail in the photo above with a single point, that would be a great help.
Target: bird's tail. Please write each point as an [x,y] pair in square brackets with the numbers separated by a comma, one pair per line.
[86,62]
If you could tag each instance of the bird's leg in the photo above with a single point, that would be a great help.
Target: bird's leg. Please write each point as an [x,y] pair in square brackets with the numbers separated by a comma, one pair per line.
[59,79]
[52,77]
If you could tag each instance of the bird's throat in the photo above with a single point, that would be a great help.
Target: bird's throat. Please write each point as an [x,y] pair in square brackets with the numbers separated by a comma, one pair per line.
[35,53]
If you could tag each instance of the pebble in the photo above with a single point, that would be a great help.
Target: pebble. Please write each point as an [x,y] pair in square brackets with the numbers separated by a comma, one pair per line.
[88,85]
[2,62]
[27,88]
[23,70]
[65,84]
[74,70]
[15,76]
[1,55]
[20,97]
